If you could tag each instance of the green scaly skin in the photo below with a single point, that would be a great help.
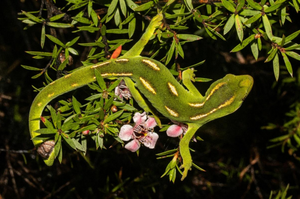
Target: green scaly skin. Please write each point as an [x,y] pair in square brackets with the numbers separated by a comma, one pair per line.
[160,88]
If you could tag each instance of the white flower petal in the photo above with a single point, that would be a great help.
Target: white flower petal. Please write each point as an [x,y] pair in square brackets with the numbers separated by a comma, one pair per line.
[174,131]
[150,140]
[133,145]
[151,123]
[139,118]
[126,132]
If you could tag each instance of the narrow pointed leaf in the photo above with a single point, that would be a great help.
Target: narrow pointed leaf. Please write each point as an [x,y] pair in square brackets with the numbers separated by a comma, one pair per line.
[276,66]
[55,40]
[113,117]
[188,37]
[43,36]
[287,63]
[131,27]
[228,6]
[254,5]
[123,7]
[239,27]
[229,24]
[253,19]
[144,6]
[31,68]
[100,80]
[254,49]
[112,7]
[273,7]
[293,55]
[59,25]
[272,54]
[32,17]
[240,5]
[267,26]
[243,44]
[76,105]
[292,36]
[57,17]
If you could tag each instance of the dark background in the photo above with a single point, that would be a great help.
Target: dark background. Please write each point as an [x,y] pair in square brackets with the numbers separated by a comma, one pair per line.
[234,153]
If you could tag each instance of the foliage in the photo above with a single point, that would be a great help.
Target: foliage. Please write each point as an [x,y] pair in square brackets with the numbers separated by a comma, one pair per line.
[110,24]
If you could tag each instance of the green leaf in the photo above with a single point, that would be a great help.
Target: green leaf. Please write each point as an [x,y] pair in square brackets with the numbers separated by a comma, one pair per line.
[131,4]
[253,19]
[114,85]
[70,142]
[254,5]
[292,36]
[112,7]
[72,51]
[287,63]
[55,40]
[76,105]
[239,27]
[32,17]
[78,5]
[131,27]
[37,75]
[57,147]
[31,68]
[144,6]
[229,24]
[123,7]
[267,26]
[273,7]
[29,22]
[293,55]
[240,5]
[189,4]
[259,43]
[81,19]
[43,36]
[272,54]
[46,131]
[254,49]
[100,80]
[283,15]
[276,66]
[117,31]
[38,53]
[228,6]
[248,12]
[215,33]
[108,103]
[113,117]
[197,64]
[87,28]
[170,52]
[179,49]
[63,65]
[95,18]
[117,17]
[59,25]
[188,37]
[57,17]
[244,43]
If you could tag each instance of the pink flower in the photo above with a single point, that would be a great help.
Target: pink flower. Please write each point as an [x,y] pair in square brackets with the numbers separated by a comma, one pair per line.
[142,132]
[122,91]
[176,129]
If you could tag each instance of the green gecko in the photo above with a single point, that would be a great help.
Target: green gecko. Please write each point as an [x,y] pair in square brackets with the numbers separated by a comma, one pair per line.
[158,85]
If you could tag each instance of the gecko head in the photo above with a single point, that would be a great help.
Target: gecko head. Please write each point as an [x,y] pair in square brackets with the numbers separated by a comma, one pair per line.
[245,85]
